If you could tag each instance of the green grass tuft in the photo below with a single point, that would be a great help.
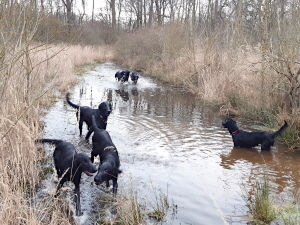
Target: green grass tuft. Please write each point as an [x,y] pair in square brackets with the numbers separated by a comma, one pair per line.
[260,203]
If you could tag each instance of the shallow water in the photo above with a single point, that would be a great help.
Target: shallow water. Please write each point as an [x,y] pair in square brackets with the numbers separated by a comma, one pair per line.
[169,141]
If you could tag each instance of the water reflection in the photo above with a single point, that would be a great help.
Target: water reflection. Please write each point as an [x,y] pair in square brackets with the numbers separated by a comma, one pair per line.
[123,94]
[280,167]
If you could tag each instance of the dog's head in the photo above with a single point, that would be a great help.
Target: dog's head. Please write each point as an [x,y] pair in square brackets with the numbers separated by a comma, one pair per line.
[134,77]
[105,109]
[104,173]
[118,75]
[228,123]
[85,164]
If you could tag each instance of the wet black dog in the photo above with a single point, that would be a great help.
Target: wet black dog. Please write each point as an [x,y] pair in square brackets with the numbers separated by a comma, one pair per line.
[134,77]
[109,157]
[69,166]
[125,75]
[118,75]
[245,139]
[101,114]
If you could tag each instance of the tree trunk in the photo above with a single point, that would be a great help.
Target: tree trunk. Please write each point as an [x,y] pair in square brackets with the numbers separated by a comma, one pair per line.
[150,20]
[113,13]
[158,12]
[194,14]
[145,13]
[93,11]
[68,5]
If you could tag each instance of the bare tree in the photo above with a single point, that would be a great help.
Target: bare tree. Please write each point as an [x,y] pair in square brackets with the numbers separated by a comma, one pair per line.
[68,5]
[112,5]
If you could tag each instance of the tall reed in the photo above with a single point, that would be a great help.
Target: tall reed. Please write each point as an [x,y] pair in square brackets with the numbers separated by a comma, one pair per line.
[27,83]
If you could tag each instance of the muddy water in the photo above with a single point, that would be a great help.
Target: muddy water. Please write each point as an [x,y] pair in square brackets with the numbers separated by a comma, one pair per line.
[168,141]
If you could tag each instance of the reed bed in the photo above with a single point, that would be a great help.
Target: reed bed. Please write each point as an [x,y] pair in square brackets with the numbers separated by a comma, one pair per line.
[30,77]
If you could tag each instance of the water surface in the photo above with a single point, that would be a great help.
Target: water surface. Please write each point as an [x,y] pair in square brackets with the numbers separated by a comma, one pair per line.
[171,142]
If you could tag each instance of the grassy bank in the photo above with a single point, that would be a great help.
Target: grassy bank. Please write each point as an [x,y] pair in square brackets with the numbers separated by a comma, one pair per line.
[30,75]
[241,79]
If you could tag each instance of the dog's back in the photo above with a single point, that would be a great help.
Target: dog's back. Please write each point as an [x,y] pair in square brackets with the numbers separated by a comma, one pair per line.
[63,155]
[101,137]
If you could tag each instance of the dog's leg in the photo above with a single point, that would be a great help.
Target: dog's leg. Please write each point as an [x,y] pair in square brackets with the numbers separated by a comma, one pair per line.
[89,133]
[115,186]
[77,201]
[92,156]
[107,183]
[266,146]
[80,126]
[58,171]
[60,184]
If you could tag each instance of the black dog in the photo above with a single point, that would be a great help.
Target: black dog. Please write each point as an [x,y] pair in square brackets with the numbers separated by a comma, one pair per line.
[109,157]
[118,75]
[101,114]
[125,75]
[69,166]
[245,139]
[134,77]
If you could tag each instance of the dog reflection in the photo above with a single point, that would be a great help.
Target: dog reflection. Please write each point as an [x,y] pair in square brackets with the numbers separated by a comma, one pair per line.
[281,166]
[237,155]
[134,91]
[123,94]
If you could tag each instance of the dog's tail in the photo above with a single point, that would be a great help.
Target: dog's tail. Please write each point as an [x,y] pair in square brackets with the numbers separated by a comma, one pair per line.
[70,103]
[50,141]
[277,133]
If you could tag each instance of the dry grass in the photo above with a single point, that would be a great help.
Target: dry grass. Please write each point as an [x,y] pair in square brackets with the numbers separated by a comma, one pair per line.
[23,96]
[122,210]
[127,209]
[237,78]
[160,207]
[215,73]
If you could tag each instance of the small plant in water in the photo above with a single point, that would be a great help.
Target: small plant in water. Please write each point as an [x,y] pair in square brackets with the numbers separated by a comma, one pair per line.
[129,211]
[159,210]
[260,204]
[120,210]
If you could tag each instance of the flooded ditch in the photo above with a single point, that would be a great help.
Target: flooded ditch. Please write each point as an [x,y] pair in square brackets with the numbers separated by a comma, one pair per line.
[168,141]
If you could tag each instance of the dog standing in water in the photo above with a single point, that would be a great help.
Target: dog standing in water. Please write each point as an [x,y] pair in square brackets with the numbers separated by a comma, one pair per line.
[246,139]
[101,115]
[109,158]
[69,166]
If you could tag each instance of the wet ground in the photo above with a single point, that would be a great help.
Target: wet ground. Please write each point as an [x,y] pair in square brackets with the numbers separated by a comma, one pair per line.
[169,141]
